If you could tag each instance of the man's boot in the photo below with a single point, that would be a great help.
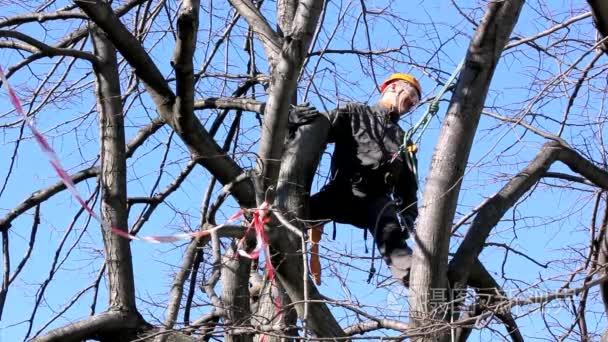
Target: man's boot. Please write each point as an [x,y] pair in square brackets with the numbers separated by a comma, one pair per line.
[401,264]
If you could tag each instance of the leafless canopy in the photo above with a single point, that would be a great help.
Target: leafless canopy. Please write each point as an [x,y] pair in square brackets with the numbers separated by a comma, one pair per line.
[170,117]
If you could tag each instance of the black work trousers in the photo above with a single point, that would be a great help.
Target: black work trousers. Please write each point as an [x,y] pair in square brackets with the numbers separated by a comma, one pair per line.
[375,212]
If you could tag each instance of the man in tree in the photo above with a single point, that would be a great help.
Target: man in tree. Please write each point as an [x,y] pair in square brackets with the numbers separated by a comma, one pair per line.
[373,183]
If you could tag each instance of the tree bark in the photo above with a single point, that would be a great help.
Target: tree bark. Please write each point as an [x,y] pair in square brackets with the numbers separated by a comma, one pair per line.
[266,313]
[282,87]
[204,149]
[113,175]
[299,162]
[286,10]
[235,296]
[443,183]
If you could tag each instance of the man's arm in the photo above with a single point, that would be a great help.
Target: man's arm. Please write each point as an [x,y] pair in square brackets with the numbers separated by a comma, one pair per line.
[336,118]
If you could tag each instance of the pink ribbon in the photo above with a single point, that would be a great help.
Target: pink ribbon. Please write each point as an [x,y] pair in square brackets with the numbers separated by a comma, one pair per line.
[260,215]
[67,181]
[260,218]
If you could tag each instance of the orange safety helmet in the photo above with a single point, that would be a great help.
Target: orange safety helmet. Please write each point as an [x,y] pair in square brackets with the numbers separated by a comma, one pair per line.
[402,77]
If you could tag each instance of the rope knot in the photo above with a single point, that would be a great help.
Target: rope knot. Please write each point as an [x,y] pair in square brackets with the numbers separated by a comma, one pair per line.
[434,107]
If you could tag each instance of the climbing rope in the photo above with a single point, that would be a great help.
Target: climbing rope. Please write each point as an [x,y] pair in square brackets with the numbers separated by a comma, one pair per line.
[410,144]
[431,110]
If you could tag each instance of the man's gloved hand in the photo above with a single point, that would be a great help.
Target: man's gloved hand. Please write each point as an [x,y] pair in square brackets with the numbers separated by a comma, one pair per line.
[305,109]
[301,114]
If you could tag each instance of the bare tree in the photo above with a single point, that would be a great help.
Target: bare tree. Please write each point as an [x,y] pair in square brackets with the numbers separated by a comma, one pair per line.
[170,87]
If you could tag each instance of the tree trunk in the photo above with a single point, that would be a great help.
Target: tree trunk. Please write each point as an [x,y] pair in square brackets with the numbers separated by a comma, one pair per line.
[113,175]
[268,314]
[283,84]
[235,296]
[441,191]
[299,163]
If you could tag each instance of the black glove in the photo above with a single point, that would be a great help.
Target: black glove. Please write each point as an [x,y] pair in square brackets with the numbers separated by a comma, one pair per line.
[301,115]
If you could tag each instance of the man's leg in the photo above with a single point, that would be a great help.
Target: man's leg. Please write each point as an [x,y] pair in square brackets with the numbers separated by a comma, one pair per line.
[321,208]
[390,237]
[334,202]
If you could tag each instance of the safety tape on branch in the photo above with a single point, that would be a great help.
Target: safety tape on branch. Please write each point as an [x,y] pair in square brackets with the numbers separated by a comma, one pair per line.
[260,216]
[259,219]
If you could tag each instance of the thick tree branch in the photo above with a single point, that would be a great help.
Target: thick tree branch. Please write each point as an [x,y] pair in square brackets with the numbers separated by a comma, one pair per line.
[496,206]
[300,160]
[190,130]
[282,87]
[259,24]
[185,45]
[286,10]
[368,326]
[249,105]
[429,267]
[111,322]
[235,295]
[113,178]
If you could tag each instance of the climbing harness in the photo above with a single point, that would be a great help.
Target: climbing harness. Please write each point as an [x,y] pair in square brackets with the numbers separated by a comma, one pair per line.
[409,148]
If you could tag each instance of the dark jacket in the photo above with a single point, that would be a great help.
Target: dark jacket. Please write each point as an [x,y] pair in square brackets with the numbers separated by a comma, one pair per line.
[366,140]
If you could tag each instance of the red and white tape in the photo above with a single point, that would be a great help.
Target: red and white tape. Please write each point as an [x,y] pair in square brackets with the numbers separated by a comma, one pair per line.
[67,180]
[260,215]
[260,218]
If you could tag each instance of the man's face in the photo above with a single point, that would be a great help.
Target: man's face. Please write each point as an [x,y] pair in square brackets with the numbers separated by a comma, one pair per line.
[404,95]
